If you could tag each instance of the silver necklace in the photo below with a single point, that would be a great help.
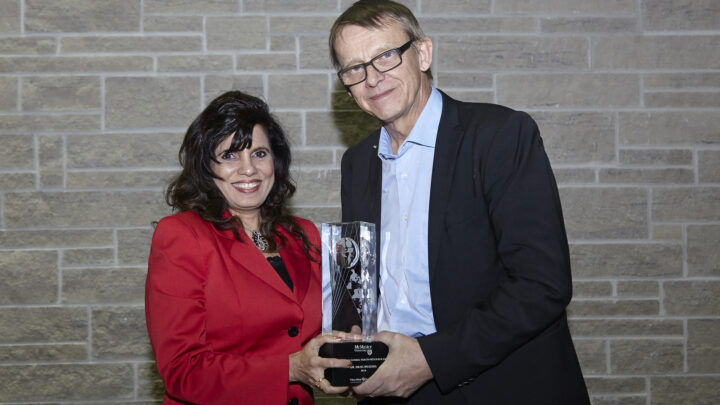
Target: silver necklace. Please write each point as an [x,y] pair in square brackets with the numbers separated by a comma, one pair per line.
[259,241]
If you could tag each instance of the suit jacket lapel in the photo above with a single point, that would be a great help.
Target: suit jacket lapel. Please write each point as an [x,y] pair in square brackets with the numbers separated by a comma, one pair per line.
[448,141]
[375,180]
[375,190]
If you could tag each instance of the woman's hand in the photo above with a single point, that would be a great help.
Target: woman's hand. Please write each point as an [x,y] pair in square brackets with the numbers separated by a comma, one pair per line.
[309,368]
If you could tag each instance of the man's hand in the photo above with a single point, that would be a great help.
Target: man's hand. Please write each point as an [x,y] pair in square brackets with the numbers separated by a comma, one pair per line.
[403,372]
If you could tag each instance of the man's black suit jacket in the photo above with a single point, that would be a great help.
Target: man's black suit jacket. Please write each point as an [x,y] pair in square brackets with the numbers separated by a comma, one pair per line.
[498,260]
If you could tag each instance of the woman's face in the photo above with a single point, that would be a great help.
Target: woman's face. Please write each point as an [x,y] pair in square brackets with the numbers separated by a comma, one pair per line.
[246,176]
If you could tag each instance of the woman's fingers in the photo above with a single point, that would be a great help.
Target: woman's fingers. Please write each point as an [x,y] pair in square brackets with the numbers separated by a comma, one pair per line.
[353,335]
[325,386]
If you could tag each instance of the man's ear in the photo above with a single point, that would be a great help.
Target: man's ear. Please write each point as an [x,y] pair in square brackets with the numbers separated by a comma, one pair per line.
[424,49]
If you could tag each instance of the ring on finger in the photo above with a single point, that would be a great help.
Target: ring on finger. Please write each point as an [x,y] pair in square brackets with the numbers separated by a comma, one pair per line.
[318,381]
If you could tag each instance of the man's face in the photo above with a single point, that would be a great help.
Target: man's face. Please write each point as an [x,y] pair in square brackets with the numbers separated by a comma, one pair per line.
[395,94]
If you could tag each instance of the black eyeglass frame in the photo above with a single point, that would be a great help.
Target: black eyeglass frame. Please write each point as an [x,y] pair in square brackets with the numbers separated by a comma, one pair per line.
[400,50]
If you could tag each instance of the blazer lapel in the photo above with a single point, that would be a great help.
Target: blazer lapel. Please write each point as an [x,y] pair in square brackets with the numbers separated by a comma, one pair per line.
[297,264]
[247,256]
[447,144]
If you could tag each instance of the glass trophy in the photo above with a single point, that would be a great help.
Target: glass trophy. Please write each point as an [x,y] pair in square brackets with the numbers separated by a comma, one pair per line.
[349,298]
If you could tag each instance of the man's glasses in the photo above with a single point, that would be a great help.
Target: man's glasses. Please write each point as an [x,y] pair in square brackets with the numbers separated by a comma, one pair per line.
[384,62]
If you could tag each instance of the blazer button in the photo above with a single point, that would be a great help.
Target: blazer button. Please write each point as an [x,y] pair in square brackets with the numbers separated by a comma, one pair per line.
[293,401]
[293,331]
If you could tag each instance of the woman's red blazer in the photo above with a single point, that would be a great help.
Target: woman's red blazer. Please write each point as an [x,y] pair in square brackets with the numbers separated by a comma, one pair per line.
[221,321]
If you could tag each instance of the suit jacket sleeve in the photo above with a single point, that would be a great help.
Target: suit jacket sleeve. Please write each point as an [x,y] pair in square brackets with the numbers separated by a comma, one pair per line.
[175,311]
[533,287]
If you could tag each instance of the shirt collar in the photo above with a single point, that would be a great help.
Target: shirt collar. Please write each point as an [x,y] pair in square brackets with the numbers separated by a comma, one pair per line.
[424,131]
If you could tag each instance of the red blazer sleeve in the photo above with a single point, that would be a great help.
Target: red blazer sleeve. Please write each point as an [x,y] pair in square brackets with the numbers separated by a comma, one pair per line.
[190,364]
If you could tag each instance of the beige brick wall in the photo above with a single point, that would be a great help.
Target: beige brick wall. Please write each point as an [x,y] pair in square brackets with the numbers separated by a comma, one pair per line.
[96,95]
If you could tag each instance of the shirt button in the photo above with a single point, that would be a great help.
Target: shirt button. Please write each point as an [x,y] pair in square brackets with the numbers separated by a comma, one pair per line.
[404,176]
[293,331]
[293,401]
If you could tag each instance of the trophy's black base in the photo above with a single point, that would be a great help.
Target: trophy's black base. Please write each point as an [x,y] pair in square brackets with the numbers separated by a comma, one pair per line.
[366,357]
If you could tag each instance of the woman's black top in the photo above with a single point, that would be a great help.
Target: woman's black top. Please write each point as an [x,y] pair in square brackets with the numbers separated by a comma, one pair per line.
[279,266]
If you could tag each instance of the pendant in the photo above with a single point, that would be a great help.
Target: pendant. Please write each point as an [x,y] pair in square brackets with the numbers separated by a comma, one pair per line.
[259,241]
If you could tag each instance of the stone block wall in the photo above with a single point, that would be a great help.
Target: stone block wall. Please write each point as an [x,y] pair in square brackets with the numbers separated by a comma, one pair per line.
[96,95]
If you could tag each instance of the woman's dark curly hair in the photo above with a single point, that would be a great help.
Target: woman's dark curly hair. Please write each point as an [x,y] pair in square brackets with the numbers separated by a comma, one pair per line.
[235,114]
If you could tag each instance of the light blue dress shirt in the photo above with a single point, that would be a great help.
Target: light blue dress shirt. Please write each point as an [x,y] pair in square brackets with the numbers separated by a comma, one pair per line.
[405,305]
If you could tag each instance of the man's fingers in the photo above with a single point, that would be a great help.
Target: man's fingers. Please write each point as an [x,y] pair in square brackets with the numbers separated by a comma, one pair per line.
[370,385]
[384,337]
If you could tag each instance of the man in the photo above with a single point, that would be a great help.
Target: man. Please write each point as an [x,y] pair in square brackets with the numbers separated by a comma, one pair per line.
[474,264]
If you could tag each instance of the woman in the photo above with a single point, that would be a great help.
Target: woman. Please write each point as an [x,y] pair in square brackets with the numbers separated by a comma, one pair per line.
[233,287]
